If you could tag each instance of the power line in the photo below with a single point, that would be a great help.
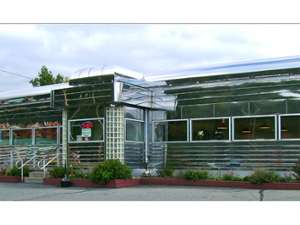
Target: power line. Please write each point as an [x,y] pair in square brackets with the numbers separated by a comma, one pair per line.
[16,74]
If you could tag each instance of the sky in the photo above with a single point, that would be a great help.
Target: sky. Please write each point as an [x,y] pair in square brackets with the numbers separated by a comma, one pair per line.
[151,49]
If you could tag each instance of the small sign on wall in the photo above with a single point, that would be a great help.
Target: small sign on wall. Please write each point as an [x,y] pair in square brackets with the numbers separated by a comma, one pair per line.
[86,129]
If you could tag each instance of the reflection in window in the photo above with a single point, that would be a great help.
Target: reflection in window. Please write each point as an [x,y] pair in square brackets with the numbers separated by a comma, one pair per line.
[170,131]
[44,136]
[254,128]
[86,130]
[134,130]
[290,127]
[22,137]
[212,129]
[134,113]
[4,137]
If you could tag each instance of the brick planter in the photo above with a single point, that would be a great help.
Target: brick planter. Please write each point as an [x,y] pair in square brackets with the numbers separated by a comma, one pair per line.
[10,179]
[52,181]
[119,183]
[218,183]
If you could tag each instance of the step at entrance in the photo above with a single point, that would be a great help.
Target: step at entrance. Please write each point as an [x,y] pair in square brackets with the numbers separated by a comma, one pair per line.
[35,177]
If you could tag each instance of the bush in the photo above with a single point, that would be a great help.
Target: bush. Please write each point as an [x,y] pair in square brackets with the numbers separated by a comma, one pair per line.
[77,173]
[15,171]
[57,172]
[110,170]
[296,170]
[231,177]
[166,172]
[196,175]
[263,176]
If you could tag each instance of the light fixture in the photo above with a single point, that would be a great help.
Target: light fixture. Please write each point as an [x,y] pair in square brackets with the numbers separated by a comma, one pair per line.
[264,126]
[246,131]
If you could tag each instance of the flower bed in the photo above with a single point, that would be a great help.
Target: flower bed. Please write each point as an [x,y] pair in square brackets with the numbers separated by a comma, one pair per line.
[86,183]
[52,181]
[217,183]
[10,179]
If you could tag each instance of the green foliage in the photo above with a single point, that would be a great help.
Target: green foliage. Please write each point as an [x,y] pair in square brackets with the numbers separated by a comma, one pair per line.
[77,173]
[110,170]
[15,171]
[196,175]
[263,176]
[166,172]
[45,77]
[296,170]
[231,177]
[57,172]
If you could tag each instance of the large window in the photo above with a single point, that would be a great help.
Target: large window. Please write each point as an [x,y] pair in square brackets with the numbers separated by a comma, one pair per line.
[46,136]
[254,128]
[290,127]
[210,129]
[22,136]
[134,130]
[4,137]
[172,130]
[86,130]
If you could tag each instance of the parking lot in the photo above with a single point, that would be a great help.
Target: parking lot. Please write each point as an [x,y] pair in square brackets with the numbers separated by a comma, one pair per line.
[37,192]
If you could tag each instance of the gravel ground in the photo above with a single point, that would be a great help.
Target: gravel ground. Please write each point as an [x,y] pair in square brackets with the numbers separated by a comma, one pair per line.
[37,192]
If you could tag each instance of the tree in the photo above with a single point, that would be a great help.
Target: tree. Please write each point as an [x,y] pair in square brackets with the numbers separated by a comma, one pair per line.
[45,77]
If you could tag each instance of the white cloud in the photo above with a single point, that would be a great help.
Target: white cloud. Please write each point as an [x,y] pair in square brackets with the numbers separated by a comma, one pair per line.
[149,49]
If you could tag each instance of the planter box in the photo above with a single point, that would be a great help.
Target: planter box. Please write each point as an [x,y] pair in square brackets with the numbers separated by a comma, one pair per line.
[119,183]
[81,182]
[10,179]
[218,183]
[52,181]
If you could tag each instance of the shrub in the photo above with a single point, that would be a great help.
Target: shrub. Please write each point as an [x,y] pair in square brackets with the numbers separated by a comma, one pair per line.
[263,176]
[196,175]
[15,171]
[110,170]
[166,172]
[77,173]
[57,172]
[296,170]
[231,177]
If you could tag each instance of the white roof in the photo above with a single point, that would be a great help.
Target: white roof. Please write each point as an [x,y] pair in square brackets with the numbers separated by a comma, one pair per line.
[32,91]
[232,68]
[91,72]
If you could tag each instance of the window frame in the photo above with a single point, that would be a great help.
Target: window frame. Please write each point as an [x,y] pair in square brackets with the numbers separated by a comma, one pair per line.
[172,120]
[57,134]
[210,118]
[254,116]
[279,127]
[125,130]
[9,136]
[32,136]
[85,119]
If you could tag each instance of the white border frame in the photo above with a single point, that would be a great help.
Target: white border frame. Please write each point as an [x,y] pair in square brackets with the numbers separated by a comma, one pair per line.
[210,118]
[172,120]
[279,127]
[85,119]
[254,116]
[135,120]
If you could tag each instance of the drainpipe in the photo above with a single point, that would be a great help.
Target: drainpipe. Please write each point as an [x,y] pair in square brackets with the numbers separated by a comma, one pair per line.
[65,137]
[146,139]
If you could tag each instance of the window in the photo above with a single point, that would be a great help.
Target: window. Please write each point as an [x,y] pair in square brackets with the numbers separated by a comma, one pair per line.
[22,136]
[134,130]
[4,137]
[290,127]
[86,130]
[254,128]
[134,113]
[172,130]
[210,129]
[46,136]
